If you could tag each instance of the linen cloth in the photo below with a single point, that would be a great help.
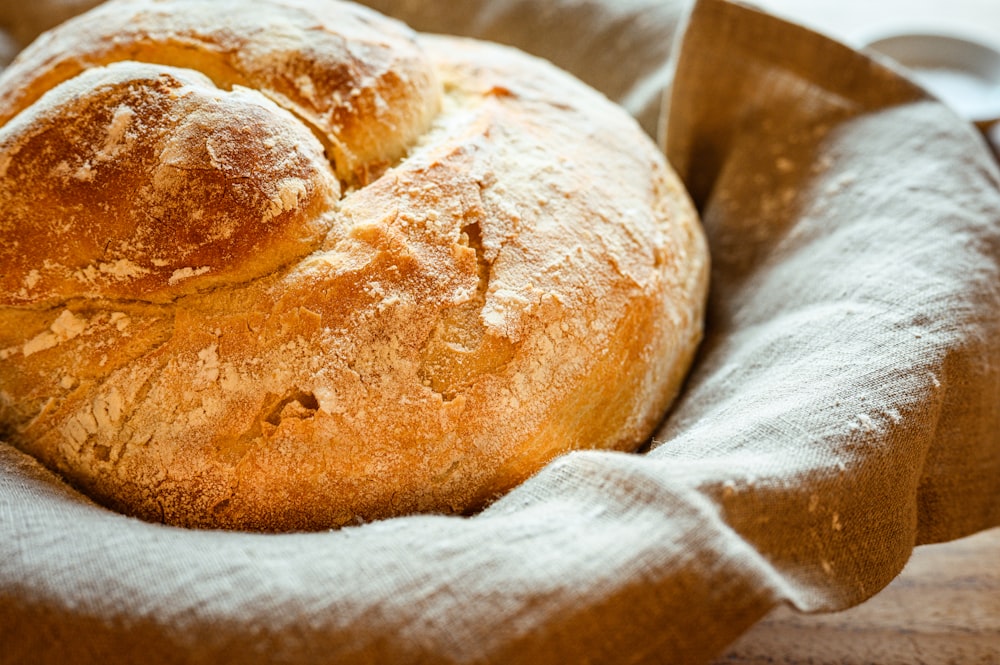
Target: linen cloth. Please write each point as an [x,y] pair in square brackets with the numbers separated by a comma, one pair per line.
[843,407]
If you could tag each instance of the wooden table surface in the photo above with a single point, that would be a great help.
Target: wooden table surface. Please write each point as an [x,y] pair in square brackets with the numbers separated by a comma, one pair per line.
[945,606]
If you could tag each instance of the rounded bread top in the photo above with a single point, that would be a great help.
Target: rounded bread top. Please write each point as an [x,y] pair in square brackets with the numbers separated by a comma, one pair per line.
[356,78]
[141,163]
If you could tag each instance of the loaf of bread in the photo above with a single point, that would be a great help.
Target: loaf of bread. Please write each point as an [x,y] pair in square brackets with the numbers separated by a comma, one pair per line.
[288,265]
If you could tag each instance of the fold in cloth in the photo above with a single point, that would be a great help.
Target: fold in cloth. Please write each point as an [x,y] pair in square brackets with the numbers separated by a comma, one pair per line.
[841,411]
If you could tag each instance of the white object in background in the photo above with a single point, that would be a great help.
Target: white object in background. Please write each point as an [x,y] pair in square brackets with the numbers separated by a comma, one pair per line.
[963,73]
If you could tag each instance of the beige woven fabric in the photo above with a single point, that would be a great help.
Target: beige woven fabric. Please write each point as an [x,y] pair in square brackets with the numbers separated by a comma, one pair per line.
[843,409]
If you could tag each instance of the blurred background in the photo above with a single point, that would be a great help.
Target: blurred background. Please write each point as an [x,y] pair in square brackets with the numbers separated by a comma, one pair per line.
[856,21]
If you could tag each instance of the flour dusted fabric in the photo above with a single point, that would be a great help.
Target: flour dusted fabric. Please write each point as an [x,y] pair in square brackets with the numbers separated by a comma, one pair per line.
[843,409]
[845,403]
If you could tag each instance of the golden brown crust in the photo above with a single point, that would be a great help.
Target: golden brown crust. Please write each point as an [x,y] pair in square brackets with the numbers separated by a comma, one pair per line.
[529,279]
[356,78]
[142,182]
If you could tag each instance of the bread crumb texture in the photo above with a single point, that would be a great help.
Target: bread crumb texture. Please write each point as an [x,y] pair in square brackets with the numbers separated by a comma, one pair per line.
[299,267]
